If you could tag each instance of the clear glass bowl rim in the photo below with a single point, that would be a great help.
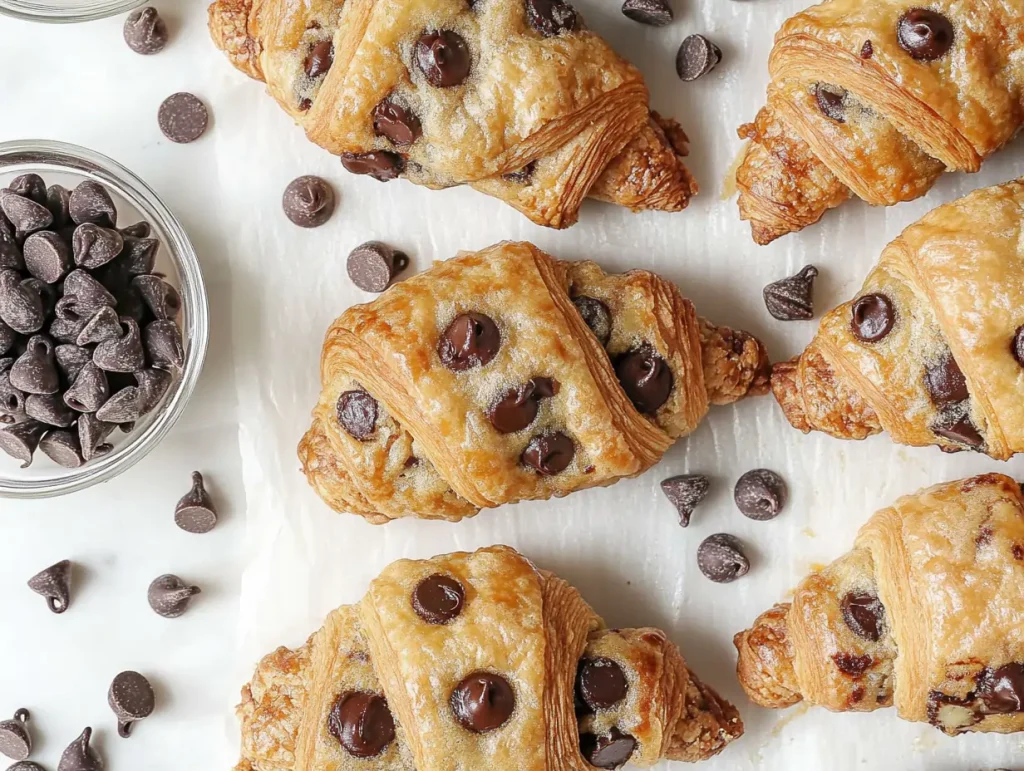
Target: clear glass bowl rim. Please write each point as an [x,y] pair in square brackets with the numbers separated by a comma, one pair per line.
[73,159]
[57,13]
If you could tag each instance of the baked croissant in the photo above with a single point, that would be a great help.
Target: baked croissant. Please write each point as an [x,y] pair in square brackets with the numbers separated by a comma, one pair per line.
[506,375]
[476,661]
[932,347]
[877,99]
[513,97]
[925,613]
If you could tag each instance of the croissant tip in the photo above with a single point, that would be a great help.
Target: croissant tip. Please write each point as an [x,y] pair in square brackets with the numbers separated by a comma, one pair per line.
[765,660]
[229,28]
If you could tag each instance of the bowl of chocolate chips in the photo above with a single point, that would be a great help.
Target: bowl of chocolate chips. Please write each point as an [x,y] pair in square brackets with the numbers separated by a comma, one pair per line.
[104,319]
[66,11]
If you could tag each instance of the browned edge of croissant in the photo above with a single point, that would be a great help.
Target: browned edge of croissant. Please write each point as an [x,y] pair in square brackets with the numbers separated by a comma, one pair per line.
[765,664]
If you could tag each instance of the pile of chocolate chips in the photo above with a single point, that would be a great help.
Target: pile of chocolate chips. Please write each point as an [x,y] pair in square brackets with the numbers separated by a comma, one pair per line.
[89,340]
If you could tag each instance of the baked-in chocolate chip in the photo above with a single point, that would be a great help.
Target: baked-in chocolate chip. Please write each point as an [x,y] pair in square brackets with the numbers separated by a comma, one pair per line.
[483,702]
[94,246]
[697,56]
[183,117]
[382,165]
[789,299]
[521,176]
[831,101]
[925,34]
[373,265]
[35,371]
[396,123]
[54,583]
[308,201]
[685,492]
[957,426]
[867,50]
[517,408]
[362,723]
[163,344]
[1001,690]
[851,664]
[551,17]
[20,308]
[471,340]
[47,256]
[438,598]
[864,614]
[145,32]
[945,381]
[872,317]
[132,699]
[549,454]
[21,440]
[596,315]
[195,512]
[1017,345]
[79,756]
[90,389]
[319,59]
[656,13]
[720,557]
[15,740]
[357,413]
[26,215]
[760,494]
[609,750]
[645,377]
[443,57]
[29,186]
[169,596]
[600,683]
[90,202]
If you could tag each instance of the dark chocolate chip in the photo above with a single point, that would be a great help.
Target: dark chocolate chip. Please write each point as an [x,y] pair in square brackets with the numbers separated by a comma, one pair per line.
[697,56]
[720,557]
[867,50]
[145,32]
[945,381]
[47,293]
[382,165]
[71,359]
[15,740]
[357,413]
[319,59]
[789,299]
[438,599]
[91,433]
[169,596]
[123,354]
[549,454]
[760,494]
[925,34]
[645,377]
[517,407]
[49,409]
[10,252]
[1017,345]
[90,389]
[362,723]
[90,202]
[183,118]
[12,400]
[872,317]
[29,186]
[471,340]
[61,446]
[308,201]
[132,699]
[138,256]
[58,201]
[104,325]
[1001,690]
[162,299]
[65,330]
[396,122]
[8,337]
[26,765]
[21,440]
[443,57]
[373,265]
[140,229]
[482,702]
[600,683]
[957,426]
[35,371]
[47,256]
[195,512]
[122,407]
[20,307]
[26,215]
[685,492]
[88,292]
[79,756]
[521,176]
[851,664]
[95,246]
[864,615]
[54,583]
[164,345]
[596,315]
[551,17]
[152,385]
[831,101]
[656,13]
[610,750]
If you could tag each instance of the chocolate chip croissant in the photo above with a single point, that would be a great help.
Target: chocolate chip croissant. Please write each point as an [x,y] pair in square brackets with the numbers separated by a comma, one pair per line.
[931,349]
[507,375]
[877,100]
[476,661]
[513,97]
[924,614]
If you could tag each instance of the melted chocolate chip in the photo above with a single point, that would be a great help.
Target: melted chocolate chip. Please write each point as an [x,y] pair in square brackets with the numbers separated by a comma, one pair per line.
[1017,345]
[517,408]
[851,664]
[471,340]
[596,315]
[831,101]
[551,17]
[443,57]
[864,614]
[362,723]
[319,59]
[521,176]
[357,414]
[382,165]
[612,750]
[549,454]
[645,377]
[872,317]
[600,683]
[959,428]
[924,34]
[945,381]
[482,702]
[438,599]
[1001,690]
[396,123]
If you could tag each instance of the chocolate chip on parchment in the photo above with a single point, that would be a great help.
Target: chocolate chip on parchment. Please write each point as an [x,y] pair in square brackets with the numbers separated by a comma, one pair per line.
[195,512]
[438,599]
[26,215]
[145,32]
[482,702]
[15,740]
[90,202]
[169,596]
[50,409]
[382,165]
[357,413]
[697,56]
[373,265]
[79,756]
[183,118]
[549,453]
[610,750]
[94,246]
[789,299]
[685,492]
[551,17]
[308,201]
[21,440]
[760,494]
[61,446]
[656,13]
[720,558]
[396,122]
[596,316]
[124,353]
[160,297]
[132,699]
[443,57]
[925,34]
[54,583]
[164,345]
[29,186]
[90,389]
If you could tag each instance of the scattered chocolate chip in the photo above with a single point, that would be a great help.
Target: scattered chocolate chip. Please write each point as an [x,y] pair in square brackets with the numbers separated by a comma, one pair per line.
[851,664]
[21,440]
[79,756]
[596,316]
[396,123]
[471,340]
[152,385]
[61,446]
[438,599]
[320,59]
[163,344]
[1001,690]
[49,409]
[195,512]
[382,165]
[645,377]
[87,291]
[35,371]
[362,723]
[482,702]
[90,389]
[867,50]
[91,433]
[373,265]
[517,408]
[132,699]
[124,354]
[357,413]
[925,34]
[760,494]
[864,615]
[957,426]
[121,408]
[161,298]
[656,13]
[15,740]
[169,596]
[697,56]
[26,215]
[47,256]
[94,246]
[872,317]
[551,17]
[183,118]
[145,32]
[20,308]
[685,492]
[610,750]
[789,299]
[29,186]
[308,201]
[54,584]
[600,683]
[443,57]
[720,557]
[90,202]
[549,454]
[945,381]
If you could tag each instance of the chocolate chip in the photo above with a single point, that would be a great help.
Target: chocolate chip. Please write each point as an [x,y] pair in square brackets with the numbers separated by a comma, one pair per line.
[549,454]
[864,615]
[163,344]
[645,377]
[600,683]
[760,494]
[8,337]
[169,596]
[138,230]
[373,265]
[471,340]
[91,433]
[47,293]
[395,122]
[443,57]
[152,385]
[132,699]
[357,413]
[20,308]
[195,512]
[47,256]
[61,446]
[35,371]
[521,176]
[438,599]
[10,252]
[104,325]
[308,201]
[789,299]
[58,201]
[945,381]
[123,354]
[551,17]
[90,202]
[957,426]
[15,740]
[517,407]
[79,756]
[12,400]
[610,750]
[720,557]
[685,492]
[26,765]
[122,407]
[867,50]
[362,723]
[90,389]
[26,215]
[89,293]
[183,118]
[382,165]
[94,246]
[872,317]
[145,32]
[29,186]
[21,440]
[138,256]
[319,59]
[656,13]
[596,316]
[851,664]
[54,583]
[482,702]
[1017,345]
[925,34]
[1001,690]
[49,409]
[161,298]
[697,56]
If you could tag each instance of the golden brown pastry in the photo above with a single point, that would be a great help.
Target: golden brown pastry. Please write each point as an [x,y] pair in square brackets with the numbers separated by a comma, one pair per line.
[506,375]
[925,614]
[477,661]
[877,99]
[514,97]
[931,349]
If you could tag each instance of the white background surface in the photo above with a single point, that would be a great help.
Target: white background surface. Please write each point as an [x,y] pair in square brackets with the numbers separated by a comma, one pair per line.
[279,559]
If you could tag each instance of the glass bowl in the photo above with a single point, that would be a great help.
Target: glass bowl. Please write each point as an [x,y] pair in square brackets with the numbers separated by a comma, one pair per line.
[67,165]
[66,11]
